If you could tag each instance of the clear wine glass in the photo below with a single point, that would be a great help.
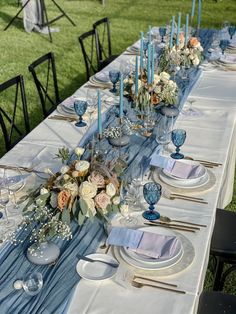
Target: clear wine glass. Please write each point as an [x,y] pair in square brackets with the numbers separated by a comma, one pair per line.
[114,76]
[6,222]
[152,194]
[14,181]
[178,137]
[164,129]
[80,107]
[126,203]
[92,103]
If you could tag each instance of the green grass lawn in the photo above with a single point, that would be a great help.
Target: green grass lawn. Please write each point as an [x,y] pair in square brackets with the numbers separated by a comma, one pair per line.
[18,48]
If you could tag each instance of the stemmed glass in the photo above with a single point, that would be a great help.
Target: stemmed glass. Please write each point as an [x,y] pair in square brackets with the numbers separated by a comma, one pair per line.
[92,103]
[80,107]
[231,30]
[164,129]
[127,200]
[114,76]
[162,32]
[178,137]
[14,181]
[152,194]
[223,45]
[4,199]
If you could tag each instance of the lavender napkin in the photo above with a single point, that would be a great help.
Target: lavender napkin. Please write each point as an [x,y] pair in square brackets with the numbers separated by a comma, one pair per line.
[157,246]
[125,237]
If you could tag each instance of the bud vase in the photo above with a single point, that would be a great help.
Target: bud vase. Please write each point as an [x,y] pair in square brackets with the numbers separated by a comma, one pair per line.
[43,253]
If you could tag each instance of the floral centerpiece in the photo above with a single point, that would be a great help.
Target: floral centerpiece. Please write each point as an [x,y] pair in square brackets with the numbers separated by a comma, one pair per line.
[81,189]
[163,90]
[187,55]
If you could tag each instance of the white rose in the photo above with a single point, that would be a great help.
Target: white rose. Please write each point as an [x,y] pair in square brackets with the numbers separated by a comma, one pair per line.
[164,77]
[124,209]
[87,190]
[116,200]
[75,174]
[156,79]
[133,86]
[91,205]
[196,61]
[64,169]
[200,48]
[48,171]
[43,191]
[82,165]
[79,151]
[73,187]
[110,189]
[126,81]
[172,85]
[66,177]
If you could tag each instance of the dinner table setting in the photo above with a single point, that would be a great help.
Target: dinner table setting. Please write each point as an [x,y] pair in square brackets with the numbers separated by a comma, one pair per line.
[108,205]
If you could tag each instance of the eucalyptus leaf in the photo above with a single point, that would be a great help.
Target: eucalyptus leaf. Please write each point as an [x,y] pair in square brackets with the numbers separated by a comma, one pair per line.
[65,216]
[53,200]
[83,206]
[81,218]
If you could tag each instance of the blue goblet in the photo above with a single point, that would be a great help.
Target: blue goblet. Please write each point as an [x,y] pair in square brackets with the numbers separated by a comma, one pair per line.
[80,107]
[162,32]
[178,137]
[114,76]
[223,45]
[231,30]
[152,194]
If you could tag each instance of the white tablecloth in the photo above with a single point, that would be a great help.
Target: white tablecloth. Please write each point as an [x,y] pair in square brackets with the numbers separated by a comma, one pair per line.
[211,137]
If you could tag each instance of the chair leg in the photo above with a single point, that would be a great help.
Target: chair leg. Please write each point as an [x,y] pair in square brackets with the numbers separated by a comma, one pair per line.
[225,275]
[218,273]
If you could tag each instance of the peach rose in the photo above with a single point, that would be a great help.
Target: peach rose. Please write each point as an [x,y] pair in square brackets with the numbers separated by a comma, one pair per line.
[154,99]
[97,179]
[63,199]
[193,42]
[102,200]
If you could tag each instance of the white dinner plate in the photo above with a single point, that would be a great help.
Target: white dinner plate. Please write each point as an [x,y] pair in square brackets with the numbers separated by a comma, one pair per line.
[185,183]
[102,77]
[139,261]
[94,270]
[202,172]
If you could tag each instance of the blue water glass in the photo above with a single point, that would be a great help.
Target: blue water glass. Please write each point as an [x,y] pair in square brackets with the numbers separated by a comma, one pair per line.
[223,45]
[152,194]
[232,31]
[80,107]
[162,32]
[114,76]
[178,137]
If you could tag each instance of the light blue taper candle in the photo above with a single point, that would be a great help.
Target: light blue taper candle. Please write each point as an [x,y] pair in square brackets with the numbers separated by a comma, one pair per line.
[172,32]
[193,9]
[186,30]
[121,96]
[136,76]
[149,64]
[153,64]
[149,34]
[199,13]
[99,114]
[141,51]
[178,29]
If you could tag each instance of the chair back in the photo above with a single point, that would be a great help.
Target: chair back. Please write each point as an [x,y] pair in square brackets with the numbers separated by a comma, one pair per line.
[45,78]
[14,119]
[102,32]
[89,46]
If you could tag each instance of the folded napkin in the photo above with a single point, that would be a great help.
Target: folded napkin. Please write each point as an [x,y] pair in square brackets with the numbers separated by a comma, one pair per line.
[150,244]
[102,76]
[157,246]
[176,168]
[228,59]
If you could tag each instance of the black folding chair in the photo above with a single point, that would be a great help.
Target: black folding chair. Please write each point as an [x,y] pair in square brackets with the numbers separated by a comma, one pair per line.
[102,33]
[89,46]
[45,78]
[223,246]
[12,112]
[216,303]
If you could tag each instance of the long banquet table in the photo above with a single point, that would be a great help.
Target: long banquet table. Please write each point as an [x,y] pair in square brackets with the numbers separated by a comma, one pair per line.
[209,137]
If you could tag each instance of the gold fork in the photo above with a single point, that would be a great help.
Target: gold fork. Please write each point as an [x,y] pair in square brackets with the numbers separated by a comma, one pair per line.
[140,285]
